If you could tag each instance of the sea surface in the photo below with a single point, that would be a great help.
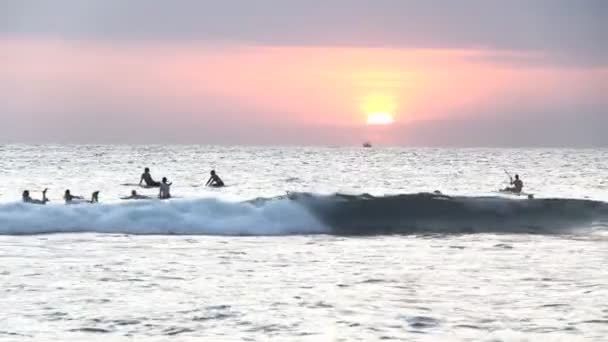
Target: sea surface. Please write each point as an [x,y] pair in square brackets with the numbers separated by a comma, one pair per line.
[304,244]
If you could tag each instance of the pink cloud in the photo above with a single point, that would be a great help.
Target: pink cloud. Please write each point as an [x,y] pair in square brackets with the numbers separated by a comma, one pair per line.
[65,83]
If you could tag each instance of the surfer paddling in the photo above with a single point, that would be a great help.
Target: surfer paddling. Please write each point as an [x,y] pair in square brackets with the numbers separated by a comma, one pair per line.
[27,199]
[215,181]
[135,196]
[146,177]
[165,188]
[69,198]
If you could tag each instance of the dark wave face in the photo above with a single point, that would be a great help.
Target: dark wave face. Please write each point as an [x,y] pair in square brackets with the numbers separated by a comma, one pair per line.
[304,214]
[432,213]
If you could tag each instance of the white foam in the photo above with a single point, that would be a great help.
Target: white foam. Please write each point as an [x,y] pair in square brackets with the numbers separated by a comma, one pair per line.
[196,217]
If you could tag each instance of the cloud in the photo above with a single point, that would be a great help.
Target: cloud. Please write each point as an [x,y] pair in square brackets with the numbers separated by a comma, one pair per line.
[569,31]
[471,73]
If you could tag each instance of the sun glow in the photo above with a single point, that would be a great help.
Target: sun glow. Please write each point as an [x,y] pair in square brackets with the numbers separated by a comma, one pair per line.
[379,109]
[380,118]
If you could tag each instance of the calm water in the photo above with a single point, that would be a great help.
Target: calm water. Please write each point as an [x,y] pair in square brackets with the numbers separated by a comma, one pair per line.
[475,267]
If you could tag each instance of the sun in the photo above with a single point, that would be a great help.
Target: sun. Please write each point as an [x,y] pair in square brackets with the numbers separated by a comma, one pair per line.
[379,109]
[379,118]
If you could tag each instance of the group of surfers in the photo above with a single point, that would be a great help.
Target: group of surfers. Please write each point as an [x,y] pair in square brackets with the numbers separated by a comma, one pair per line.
[146,180]
[67,196]
[164,186]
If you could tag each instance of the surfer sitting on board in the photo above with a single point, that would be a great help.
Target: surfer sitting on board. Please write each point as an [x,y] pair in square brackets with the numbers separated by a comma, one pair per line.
[517,187]
[165,187]
[147,178]
[135,195]
[215,180]
[27,199]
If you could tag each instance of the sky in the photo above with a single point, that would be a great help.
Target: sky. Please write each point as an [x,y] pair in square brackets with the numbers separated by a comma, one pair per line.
[295,72]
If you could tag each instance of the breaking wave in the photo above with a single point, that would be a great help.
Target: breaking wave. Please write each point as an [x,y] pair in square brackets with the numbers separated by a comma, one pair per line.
[432,213]
[303,213]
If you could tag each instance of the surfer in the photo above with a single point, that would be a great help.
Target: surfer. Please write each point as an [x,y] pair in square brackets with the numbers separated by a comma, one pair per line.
[146,177]
[517,185]
[165,187]
[27,199]
[69,198]
[439,195]
[135,195]
[215,181]
[94,197]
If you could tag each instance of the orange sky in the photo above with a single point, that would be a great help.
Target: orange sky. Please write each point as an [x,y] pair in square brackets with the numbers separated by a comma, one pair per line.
[289,84]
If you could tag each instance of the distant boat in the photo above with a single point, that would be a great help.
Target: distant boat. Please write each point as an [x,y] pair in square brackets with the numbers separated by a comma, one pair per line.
[367,144]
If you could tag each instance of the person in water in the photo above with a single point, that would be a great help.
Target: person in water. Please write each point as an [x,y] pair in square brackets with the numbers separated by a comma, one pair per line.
[27,199]
[165,188]
[146,177]
[69,198]
[517,185]
[135,195]
[94,197]
[215,180]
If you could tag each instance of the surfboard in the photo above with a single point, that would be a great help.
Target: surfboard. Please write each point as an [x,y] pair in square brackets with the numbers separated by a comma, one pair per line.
[80,201]
[150,198]
[517,194]
[141,186]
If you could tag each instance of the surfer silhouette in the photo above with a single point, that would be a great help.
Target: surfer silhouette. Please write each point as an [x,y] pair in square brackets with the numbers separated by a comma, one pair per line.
[146,177]
[165,188]
[215,181]
[94,197]
[517,185]
[69,198]
[27,199]
[135,195]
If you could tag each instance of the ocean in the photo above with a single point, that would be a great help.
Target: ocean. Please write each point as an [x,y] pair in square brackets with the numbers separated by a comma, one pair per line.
[304,244]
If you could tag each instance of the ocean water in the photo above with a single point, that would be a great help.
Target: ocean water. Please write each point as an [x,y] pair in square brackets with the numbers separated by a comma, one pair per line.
[305,244]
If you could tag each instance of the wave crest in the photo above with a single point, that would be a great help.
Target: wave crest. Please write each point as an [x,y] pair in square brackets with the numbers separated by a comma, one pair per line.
[185,217]
[432,213]
[304,213]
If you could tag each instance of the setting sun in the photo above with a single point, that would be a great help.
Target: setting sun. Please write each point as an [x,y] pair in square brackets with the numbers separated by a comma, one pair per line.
[380,119]
[378,109]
